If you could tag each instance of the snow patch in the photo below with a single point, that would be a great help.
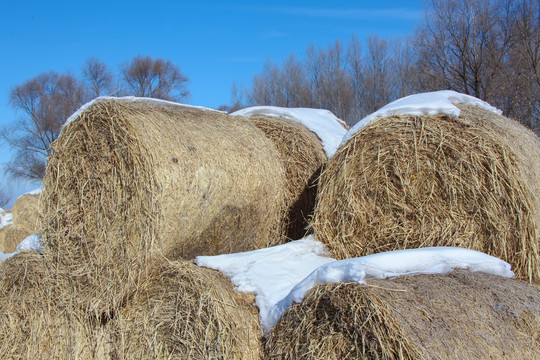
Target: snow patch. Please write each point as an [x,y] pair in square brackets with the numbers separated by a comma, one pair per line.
[6,218]
[36,191]
[269,273]
[431,103]
[281,275]
[30,243]
[322,122]
[433,260]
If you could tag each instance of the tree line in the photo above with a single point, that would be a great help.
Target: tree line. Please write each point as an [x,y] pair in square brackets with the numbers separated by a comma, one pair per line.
[44,102]
[489,49]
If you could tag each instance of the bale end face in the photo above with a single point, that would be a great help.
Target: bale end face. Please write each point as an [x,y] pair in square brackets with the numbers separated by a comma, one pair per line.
[129,182]
[184,311]
[416,181]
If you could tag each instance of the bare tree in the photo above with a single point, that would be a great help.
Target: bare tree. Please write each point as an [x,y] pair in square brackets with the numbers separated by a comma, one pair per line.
[524,65]
[356,71]
[284,85]
[378,81]
[463,45]
[4,197]
[335,82]
[403,65]
[45,102]
[156,78]
[486,48]
[237,100]
[350,83]
[98,77]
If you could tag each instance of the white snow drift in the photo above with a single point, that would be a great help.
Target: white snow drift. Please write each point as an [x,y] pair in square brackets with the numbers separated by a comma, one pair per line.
[283,274]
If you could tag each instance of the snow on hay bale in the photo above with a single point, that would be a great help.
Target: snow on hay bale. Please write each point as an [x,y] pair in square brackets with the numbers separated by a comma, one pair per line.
[38,319]
[407,181]
[460,315]
[130,180]
[184,311]
[302,153]
[25,214]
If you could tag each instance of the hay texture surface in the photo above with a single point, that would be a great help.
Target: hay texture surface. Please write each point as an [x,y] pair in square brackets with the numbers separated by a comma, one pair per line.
[303,156]
[415,181]
[38,319]
[457,316]
[187,312]
[25,221]
[129,181]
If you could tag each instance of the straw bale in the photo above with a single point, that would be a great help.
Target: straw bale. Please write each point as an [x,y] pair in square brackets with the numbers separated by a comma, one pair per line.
[13,237]
[3,232]
[25,212]
[303,155]
[413,181]
[184,311]
[461,315]
[38,319]
[130,181]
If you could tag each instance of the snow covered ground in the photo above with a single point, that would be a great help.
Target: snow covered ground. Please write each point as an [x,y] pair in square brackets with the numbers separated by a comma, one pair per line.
[281,275]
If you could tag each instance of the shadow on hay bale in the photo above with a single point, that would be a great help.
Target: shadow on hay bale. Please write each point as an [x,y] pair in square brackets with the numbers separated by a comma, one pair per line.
[25,221]
[461,315]
[129,181]
[303,156]
[184,311]
[38,317]
[414,181]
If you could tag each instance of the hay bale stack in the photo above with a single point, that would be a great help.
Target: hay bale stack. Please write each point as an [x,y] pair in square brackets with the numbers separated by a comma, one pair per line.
[38,319]
[129,181]
[413,181]
[25,213]
[184,311]
[303,155]
[456,316]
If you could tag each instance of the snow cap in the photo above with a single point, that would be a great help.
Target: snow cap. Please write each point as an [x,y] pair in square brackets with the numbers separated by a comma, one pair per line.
[430,103]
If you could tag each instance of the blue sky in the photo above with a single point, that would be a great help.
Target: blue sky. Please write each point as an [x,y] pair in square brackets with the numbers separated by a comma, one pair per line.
[215,43]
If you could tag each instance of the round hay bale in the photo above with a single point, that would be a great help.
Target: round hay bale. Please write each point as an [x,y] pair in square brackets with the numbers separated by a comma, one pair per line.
[184,311]
[303,155]
[13,237]
[413,181]
[38,318]
[25,213]
[133,180]
[461,315]
[3,232]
